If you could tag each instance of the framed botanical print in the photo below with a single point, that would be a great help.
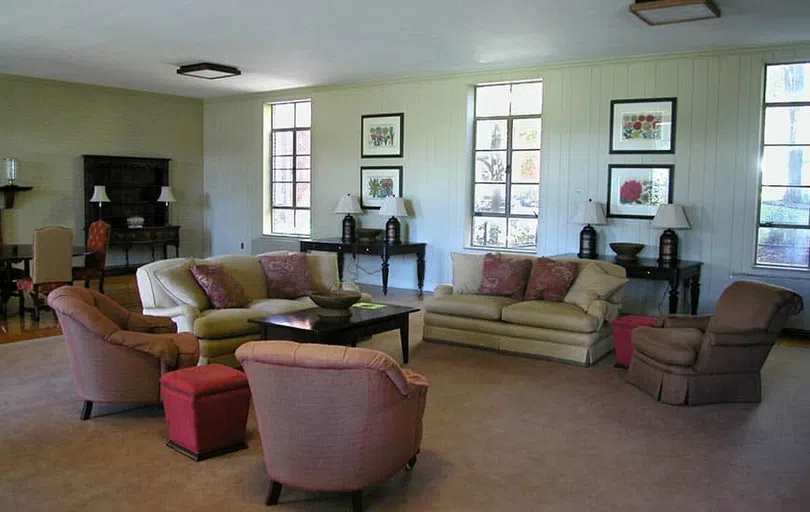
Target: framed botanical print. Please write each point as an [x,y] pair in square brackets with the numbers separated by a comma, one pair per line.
[636,191]
[377,183]
[643,126]
[381,135]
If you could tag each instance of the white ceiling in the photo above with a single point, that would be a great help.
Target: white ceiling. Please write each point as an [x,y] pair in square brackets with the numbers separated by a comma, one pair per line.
[138,44]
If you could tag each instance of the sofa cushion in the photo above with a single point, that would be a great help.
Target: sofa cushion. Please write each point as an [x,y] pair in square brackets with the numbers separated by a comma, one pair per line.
[550,280]
[468,271]
[551,315]
[181,285]
[471,306]
[221,288]
[505,277]
[246,270]
[288,277]
[678,346]
[224,323]
[591,284]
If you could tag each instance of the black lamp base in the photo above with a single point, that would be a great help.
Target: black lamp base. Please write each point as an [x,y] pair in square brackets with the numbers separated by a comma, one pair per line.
[349,229]
[392,231]
[668,248]
[587,243]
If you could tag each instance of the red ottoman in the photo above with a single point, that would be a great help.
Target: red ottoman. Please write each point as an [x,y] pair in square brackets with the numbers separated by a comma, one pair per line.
[622,329]
[206,410]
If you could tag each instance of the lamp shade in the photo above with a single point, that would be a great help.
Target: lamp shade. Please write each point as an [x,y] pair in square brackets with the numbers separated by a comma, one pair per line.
[99,194]
[670,216]
[166,195]
[393,206]
[348,204]
[590,213]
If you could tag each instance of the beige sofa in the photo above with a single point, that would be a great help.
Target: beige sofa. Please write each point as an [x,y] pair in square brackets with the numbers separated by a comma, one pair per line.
[555,330]
[167,288]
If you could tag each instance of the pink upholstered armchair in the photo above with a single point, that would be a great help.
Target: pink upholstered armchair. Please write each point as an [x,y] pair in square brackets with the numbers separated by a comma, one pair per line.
[118,356]
[332,418]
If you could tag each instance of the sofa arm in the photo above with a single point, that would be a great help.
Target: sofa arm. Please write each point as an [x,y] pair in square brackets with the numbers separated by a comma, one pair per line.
[739,338]
[687,321]
[150,324]
[442,290]
[604,311]
[183,315]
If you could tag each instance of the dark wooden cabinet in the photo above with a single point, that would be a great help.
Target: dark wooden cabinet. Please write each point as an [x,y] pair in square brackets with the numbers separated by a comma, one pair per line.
[133,186]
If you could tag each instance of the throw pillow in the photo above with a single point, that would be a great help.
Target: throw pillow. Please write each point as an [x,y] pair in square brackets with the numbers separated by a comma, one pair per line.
[550,279]
[505,277]
[288,276]
[181,286]
[219,285]
[592,284]
[468,271]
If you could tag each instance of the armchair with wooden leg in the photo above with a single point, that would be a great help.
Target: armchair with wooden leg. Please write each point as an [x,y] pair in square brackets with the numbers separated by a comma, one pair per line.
[51,266]
[98,241]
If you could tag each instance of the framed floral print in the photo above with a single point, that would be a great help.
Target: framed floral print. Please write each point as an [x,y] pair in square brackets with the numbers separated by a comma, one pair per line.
[643,126]
[381,135]
[636,191]
[377,183]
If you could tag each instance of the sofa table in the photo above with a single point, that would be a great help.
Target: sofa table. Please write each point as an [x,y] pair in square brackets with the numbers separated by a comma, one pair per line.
[382,249]
[649,268]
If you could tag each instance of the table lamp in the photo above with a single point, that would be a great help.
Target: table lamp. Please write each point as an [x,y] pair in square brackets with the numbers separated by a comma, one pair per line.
[395,207]
[348,204]
[670,217]
[166,197]
[588,213]
[99,196]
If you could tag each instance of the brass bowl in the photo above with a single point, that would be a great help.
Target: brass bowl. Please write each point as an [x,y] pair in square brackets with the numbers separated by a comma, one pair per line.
[626,251]
[337,300]
[368,234]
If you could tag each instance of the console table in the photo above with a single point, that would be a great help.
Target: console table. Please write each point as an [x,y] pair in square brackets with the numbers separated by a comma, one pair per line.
[385,251]
[649,268]
[159,236]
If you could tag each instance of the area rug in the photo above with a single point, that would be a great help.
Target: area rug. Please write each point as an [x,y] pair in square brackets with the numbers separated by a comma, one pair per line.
[501,433]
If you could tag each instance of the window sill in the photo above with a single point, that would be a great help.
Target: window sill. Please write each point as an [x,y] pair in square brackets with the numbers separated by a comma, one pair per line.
[499,249]
[776,271]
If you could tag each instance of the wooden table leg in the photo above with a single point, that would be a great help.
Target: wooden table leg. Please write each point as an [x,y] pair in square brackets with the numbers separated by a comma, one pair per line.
[695,294]
[404,325]
[420,271]
[674,294]
[385,257]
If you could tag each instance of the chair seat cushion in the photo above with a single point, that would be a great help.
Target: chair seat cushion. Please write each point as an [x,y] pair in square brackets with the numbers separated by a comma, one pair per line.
[669,346]
[205,380]
[551,315]
[472,306]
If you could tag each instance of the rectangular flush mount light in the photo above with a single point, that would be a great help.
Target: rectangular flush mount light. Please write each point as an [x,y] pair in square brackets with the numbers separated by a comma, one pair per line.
[208,71]
[663,12]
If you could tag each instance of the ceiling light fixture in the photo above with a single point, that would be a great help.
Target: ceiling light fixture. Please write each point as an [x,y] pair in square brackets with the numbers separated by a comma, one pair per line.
[208,71]
[664,12]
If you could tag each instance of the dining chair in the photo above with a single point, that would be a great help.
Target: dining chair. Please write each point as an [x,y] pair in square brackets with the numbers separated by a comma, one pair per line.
[51,266]
[98,240]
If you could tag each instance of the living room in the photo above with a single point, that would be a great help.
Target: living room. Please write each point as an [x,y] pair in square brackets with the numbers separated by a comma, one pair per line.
[216,138]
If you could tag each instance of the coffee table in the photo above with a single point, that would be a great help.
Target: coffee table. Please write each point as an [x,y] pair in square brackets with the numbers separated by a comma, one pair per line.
[306,326]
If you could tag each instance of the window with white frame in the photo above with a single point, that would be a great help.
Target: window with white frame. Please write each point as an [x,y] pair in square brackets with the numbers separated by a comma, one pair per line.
[290,168]
[783,232]
[506,173]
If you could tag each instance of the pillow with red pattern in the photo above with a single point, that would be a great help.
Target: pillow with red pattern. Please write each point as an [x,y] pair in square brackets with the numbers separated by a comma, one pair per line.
[505,277]
[219,286]
[288,276]
[550,280]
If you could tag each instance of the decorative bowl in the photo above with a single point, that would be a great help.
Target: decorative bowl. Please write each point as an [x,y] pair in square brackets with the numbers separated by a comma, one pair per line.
[626,251]
[335,300]
[368,234]
[135,222]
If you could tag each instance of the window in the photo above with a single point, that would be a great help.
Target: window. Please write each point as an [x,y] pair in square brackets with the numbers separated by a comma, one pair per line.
[506,174]
[290,168]
[783,232]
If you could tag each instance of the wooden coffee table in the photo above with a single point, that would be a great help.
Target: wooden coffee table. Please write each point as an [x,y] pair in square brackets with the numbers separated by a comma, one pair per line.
[306,326]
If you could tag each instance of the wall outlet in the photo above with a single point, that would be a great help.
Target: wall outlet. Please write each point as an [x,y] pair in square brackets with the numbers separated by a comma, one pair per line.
[242,246]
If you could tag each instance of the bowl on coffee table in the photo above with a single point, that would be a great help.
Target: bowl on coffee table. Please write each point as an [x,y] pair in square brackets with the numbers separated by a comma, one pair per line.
[334,303]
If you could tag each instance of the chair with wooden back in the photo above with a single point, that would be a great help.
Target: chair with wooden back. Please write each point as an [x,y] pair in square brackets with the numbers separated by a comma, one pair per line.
[51,265]
[98,241]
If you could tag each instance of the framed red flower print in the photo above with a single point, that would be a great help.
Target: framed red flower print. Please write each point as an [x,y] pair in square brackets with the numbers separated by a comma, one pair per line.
[636,191]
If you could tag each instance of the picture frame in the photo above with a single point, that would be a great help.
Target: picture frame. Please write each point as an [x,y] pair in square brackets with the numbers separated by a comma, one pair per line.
[643,126]
[381,135]
[378,183]
[636,191]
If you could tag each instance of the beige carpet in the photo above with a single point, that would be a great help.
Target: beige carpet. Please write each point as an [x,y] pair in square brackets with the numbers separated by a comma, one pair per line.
[501,433]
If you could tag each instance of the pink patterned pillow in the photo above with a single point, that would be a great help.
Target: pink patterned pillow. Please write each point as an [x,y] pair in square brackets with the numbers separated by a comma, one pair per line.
[550,279]
[219,285]
[288,276]
[505,277]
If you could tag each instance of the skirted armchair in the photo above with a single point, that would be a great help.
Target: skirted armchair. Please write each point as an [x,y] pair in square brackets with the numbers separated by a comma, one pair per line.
[332,418]
[118,356]
[705,359]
